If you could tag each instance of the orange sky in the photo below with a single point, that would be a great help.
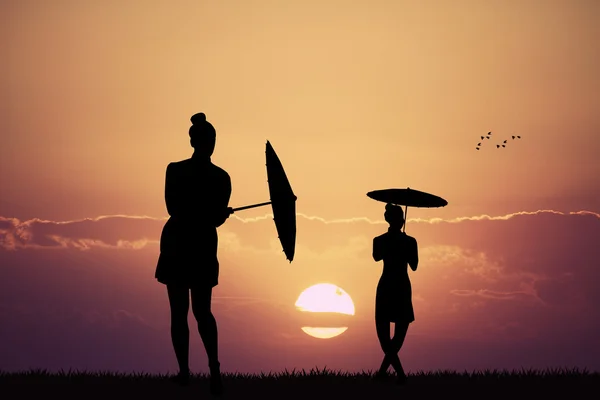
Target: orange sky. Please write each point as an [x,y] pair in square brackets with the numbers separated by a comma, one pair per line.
[354,96]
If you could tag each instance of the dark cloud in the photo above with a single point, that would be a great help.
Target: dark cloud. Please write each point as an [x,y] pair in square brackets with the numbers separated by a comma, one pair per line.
[111,231]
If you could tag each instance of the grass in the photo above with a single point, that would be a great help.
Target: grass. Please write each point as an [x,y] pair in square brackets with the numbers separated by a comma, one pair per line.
[305,385]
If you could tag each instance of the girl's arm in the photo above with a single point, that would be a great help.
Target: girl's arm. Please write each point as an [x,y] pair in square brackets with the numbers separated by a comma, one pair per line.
[413,259]
[377,249]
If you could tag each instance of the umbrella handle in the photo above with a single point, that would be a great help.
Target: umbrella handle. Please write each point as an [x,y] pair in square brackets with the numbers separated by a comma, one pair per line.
[405,214]
[250,206]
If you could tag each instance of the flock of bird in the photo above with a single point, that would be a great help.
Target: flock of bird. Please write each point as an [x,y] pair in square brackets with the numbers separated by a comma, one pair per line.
[498,146]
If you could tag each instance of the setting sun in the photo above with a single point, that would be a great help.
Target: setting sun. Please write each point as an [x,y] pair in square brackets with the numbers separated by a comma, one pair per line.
[325,298]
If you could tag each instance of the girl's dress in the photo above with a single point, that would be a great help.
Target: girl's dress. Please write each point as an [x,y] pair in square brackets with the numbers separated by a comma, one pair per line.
[393,301]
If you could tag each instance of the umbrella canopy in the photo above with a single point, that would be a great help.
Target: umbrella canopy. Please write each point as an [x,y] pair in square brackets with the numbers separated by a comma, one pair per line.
[283,203]
[407,197]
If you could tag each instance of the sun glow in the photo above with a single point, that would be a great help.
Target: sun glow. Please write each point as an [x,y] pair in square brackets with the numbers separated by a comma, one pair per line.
[325,298]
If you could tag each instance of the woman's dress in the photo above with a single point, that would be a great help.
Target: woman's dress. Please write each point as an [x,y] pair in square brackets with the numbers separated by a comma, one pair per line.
[197,194]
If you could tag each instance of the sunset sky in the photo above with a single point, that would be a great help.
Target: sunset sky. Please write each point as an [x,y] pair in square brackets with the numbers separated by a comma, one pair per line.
[354,96]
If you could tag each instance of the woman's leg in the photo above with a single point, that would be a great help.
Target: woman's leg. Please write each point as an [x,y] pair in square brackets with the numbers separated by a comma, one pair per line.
[180,335]
[207,327]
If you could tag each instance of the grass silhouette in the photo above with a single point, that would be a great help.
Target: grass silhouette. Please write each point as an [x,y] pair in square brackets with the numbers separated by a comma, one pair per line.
[305,385]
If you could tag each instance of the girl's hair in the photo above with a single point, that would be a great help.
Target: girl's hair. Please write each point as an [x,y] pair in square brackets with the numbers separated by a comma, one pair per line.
[392,208]
[393,213]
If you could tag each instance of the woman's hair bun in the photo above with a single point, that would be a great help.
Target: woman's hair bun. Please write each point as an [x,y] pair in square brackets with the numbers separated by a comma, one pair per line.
[198,118]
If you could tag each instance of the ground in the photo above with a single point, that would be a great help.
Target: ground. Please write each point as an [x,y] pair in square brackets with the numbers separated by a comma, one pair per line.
[311,385]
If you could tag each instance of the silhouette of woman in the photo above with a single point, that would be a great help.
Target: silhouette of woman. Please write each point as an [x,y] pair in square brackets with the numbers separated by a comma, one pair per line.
[197,195]
[393,301]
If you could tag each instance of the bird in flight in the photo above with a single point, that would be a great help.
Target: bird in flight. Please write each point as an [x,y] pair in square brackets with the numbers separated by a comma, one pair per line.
[482,140]
[504,142]
[498,146]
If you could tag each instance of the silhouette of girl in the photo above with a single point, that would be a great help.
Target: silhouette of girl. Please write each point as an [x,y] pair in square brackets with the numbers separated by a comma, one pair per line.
[197,194]
[393,302]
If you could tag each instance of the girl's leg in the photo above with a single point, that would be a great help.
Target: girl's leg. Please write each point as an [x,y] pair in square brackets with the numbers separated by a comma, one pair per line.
[397,341]
[383,334]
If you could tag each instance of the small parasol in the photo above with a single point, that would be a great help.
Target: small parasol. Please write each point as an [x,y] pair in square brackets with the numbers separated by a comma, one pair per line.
[283,202]
[407,197]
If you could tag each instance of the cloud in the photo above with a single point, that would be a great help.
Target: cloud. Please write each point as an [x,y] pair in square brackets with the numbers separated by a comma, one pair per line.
[505,217]
[490,294]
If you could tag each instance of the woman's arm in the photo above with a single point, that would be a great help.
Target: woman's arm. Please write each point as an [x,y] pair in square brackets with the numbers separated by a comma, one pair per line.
[223,211]
[171,195]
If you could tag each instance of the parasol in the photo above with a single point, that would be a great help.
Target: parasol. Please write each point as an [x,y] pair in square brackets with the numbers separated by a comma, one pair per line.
[283,203]
[407,197]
